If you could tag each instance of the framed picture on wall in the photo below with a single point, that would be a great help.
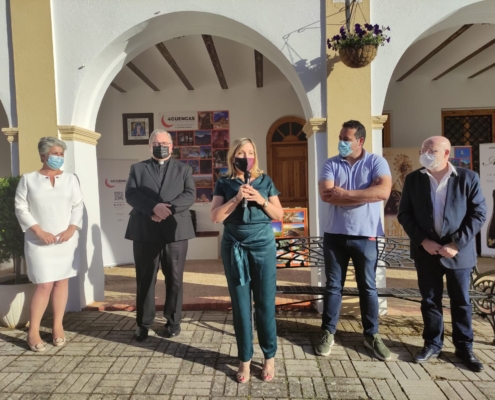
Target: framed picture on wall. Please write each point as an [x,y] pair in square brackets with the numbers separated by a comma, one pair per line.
[137,128]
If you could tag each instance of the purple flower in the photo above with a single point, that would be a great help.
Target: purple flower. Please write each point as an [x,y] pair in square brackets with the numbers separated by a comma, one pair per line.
[361,33]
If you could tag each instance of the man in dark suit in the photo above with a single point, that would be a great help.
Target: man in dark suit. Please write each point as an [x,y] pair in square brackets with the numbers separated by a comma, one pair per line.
[442,209]
[160,190]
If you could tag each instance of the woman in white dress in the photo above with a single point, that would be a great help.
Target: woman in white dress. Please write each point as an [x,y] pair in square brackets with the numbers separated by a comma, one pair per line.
[49,207]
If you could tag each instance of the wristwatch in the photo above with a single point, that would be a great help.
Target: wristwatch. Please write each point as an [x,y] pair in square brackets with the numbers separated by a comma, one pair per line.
[265,204]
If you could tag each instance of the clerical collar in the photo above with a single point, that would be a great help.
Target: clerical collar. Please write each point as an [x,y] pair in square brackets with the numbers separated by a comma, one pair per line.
[159,162]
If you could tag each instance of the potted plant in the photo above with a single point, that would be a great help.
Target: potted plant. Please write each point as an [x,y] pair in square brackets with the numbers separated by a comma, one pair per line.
[15,290]
[359,47]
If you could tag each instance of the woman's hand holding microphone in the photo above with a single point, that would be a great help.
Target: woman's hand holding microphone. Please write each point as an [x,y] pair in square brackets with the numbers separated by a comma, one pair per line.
[250,194]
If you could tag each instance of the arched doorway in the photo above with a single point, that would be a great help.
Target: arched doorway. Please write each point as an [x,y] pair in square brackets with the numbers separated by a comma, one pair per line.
[172,30]
[287,160]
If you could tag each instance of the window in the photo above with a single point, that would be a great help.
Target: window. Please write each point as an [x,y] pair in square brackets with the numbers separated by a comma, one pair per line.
[469,128]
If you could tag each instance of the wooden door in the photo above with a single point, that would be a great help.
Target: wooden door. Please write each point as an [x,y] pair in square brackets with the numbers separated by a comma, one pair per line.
[288,161]
[290,173]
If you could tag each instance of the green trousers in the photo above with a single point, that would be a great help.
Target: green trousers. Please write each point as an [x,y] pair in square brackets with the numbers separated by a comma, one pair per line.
[249,259]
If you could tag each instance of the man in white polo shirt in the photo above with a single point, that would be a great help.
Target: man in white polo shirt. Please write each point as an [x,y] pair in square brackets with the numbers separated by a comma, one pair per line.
[353,183]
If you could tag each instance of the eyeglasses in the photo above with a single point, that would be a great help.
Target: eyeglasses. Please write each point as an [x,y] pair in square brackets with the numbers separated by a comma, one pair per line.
[161,144]
[429,152]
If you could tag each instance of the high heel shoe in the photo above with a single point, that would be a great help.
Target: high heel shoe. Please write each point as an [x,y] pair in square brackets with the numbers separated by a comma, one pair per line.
[243,377]
[37,348]
[266,374]
[59,342]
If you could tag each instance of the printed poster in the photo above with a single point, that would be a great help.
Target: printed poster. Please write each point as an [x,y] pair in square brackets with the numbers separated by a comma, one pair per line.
[179,121]
[401,163]
[204,149]
[114,211]
[294,224]
[461,156]
[487,181]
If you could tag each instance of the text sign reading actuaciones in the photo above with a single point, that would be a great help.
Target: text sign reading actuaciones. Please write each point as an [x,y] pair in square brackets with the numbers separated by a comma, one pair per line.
[179,121]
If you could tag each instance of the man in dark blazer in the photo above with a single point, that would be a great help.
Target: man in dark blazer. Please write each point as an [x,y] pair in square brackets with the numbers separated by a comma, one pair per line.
[442,209]
[160,190]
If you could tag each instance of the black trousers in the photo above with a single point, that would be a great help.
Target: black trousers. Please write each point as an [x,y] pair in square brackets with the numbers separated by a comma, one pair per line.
[147,258]
[430,282]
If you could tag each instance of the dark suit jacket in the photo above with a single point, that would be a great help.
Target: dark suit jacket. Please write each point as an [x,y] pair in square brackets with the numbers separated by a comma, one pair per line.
[465,212]
[143,193]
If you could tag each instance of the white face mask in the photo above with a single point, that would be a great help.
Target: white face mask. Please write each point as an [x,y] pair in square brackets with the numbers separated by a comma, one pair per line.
[429,161]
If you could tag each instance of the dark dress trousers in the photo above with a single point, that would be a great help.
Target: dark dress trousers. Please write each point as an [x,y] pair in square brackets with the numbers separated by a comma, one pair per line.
[463,217]
[159,243]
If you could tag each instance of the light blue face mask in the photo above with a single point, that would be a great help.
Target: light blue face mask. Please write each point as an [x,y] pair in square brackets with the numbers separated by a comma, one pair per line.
[55,162]
[345,148]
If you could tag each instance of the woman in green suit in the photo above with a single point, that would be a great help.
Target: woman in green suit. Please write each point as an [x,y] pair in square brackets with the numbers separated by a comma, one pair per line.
[249,253]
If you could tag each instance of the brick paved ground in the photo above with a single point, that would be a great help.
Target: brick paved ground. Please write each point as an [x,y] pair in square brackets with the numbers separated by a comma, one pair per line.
[102,361]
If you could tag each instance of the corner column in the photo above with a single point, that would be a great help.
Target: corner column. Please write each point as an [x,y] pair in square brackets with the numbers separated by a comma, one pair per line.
[348,89]
[349,97]
[89,285]
[377,122]
[13,139]
[34,72]
[316,132]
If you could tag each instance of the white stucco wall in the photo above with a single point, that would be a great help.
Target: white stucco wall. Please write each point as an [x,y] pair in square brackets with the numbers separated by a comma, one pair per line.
[91,47]
[409,20]
[6,76]
[416,104]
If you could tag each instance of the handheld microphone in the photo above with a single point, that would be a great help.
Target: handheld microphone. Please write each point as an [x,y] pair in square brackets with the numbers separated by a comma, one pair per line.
[244,165]
[247,176]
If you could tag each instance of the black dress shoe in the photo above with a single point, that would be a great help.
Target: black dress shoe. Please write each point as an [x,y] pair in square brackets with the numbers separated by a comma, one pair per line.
[172,330]
[469,359]
[141,333]
[426,354]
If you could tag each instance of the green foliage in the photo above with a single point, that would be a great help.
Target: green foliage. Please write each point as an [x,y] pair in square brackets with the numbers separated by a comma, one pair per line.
[11,235]
[362,35]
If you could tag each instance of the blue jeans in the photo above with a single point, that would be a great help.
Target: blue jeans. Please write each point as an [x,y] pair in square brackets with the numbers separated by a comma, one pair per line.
[430,281]
[338,250]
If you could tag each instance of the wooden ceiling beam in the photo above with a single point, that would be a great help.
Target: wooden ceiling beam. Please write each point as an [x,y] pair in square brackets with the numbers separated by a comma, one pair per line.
[473,54]
[258,63]
[173,64]
[210,46]
[436,50]
[117,87]
[142,76]
[483,70]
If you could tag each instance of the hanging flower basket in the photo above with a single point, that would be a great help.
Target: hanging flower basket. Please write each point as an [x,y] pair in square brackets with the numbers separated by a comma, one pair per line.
[359,47]
[358,57]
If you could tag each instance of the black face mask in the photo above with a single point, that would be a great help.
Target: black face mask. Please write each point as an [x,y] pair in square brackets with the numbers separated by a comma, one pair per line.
[161,152]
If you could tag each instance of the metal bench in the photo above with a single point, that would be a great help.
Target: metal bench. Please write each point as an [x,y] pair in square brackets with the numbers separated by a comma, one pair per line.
[307,252]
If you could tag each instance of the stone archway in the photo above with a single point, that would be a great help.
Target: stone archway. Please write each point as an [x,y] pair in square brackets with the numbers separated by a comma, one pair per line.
[161,28]
[416,23]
